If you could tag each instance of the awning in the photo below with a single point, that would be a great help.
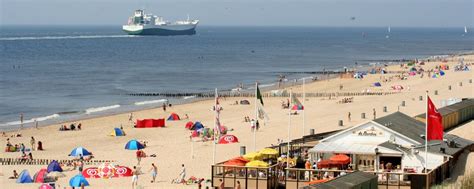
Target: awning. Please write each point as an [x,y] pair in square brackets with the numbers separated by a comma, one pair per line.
[350,148]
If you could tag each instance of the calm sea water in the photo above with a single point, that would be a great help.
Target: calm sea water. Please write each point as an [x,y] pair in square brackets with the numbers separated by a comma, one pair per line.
[86,70]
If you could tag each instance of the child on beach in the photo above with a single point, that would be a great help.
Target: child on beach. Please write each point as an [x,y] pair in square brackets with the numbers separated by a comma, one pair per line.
[154,172]
[33,142]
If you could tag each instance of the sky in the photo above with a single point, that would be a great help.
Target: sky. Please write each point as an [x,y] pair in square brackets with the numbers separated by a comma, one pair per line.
[371,13]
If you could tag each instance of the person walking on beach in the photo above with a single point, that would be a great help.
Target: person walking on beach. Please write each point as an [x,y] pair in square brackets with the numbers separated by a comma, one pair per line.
[182,174]
[134,177]
[349,116]
[164,107]
[154,172]
[375,113]
[33,142]
[139,156]
[257,125]
[252,125]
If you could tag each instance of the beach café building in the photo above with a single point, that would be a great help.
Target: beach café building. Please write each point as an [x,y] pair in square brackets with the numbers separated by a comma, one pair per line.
[394,143]
[391,147]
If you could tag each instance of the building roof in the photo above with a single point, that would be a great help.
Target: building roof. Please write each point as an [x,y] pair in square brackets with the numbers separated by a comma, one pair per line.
[457,145]
[452,108]
[351,180]
[405,125]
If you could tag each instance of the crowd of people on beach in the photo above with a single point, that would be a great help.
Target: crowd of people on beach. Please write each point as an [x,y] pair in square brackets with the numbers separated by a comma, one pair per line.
[72,127]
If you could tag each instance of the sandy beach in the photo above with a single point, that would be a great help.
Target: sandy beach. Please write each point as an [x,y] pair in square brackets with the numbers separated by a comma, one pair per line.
[173,147]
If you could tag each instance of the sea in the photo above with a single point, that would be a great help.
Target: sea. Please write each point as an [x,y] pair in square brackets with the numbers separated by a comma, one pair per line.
[58,73]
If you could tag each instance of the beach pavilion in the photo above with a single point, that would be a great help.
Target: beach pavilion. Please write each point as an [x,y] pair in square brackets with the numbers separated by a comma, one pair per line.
[394,143]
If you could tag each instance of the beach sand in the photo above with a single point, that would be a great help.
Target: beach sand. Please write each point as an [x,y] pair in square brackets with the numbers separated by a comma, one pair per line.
[173,147]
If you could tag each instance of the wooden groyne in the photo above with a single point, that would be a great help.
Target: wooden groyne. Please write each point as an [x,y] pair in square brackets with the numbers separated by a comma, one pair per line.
[252,94]
[19,161]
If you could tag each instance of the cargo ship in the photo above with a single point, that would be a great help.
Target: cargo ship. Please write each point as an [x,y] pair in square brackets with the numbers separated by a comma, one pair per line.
[149,24]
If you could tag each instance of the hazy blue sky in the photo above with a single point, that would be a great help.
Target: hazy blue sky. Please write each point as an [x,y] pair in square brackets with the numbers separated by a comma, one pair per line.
[423,13]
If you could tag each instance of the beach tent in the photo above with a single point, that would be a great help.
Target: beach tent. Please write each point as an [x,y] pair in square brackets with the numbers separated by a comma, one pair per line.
[244,102]
[197,126]
[117,132]
[78,181]
[173,117]
[79,151]
[189,125]
[227,139]
[297,107]
[377,84]
[195,134]
[46,186]
[24,177]
[40,175]
[147,123]
[133,145]
[54,166]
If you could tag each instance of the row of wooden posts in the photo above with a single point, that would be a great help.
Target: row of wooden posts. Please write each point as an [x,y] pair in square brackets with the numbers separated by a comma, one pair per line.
[252,94]
[19,161]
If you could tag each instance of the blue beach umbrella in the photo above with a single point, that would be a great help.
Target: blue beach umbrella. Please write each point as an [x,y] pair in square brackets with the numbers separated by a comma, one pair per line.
[78,181]
[79,151]
[134,145]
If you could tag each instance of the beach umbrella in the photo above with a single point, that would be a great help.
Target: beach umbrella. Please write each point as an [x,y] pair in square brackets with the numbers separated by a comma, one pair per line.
[256,163]
[268,151]
[227,139]
[324,163]
[56,174]
[39,176]
[340,158]
[134,145]
[90,172]
[252,156]
[78,181]
[54,166]
[106,170]
[46,186]
[122,171]
[79,151]
[235,163]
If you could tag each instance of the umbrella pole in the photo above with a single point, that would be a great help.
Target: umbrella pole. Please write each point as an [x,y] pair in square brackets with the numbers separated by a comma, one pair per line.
[192,148]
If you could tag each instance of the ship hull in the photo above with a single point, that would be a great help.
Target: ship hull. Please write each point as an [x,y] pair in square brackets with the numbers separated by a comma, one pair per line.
[162,32]
[140,30]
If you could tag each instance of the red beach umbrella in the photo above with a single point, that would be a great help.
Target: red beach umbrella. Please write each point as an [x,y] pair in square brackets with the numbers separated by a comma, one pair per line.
[227,139]
[324,163]
[340,158]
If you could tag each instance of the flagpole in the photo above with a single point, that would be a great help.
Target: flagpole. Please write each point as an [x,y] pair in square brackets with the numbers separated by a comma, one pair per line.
[289,124]
[215,130]
[426,135]
[256,119]
[304,108]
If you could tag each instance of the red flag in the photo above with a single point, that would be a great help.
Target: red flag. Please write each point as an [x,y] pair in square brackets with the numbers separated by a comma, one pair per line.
[434,122]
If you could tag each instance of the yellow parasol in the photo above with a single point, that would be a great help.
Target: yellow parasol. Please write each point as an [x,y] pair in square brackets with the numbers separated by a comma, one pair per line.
[252,156]
[269,151]
[256,163]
